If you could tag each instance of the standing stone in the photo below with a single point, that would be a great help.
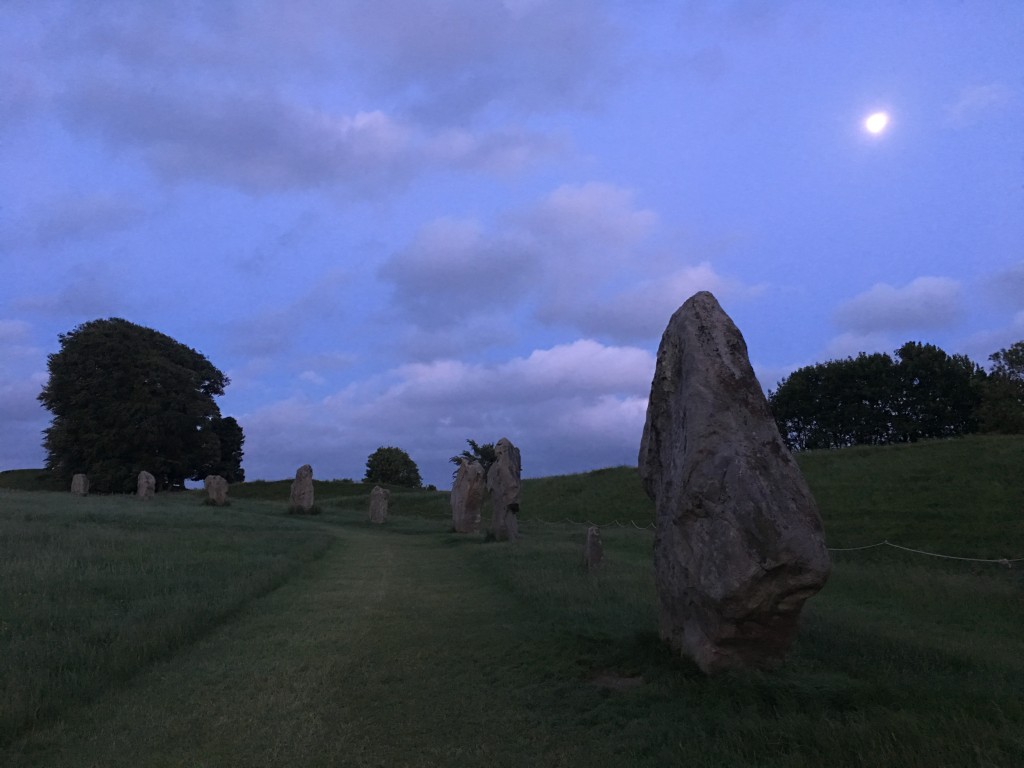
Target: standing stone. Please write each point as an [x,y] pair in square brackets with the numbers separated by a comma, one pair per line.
[146,486]
[302,490]
[216,490]
[380,498]
[503,481]
[593,550]
[467,497]
[80,485]
[739,544]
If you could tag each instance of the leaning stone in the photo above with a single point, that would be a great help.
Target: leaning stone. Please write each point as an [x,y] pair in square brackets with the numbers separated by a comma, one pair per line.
[739,544]
[216,490]
[503,481]
[146,486]
[593,550]
[80,485]
[467,498]
[302,489]
[380,498]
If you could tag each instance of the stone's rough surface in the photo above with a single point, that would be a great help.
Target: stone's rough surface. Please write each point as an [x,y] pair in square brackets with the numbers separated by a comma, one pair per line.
[739,544]
[593,550]
[80,485]
[216,490]
[146,486]
[380,498]
[302,489]
[467,497]
[503,481]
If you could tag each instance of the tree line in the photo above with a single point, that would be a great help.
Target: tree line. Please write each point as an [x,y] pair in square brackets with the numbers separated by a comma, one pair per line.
[919,392]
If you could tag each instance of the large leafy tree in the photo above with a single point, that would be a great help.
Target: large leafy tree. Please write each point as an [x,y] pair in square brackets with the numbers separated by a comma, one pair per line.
[1002,406]
[127,398]
[393,466]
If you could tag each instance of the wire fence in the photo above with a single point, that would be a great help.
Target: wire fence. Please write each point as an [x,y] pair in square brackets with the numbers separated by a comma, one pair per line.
[1006,561]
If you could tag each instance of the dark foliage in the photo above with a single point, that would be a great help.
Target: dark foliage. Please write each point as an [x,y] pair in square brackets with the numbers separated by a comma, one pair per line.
[484,454]
[1002,408]
[392,466]
[126,398]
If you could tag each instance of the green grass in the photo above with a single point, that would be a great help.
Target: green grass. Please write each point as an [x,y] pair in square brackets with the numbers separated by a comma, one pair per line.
[407,645]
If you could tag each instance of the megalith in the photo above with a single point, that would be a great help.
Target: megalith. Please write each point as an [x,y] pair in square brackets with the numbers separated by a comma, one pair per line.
[739,544]
[80,485]
[216,490]
[503,481]
[302,490]
[593,549]
[467,498]
[380,498]
[146,486]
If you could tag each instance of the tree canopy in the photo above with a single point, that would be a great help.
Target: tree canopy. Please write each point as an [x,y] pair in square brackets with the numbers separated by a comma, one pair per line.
[394,466]
[127,398]
[873,399]
[483,454]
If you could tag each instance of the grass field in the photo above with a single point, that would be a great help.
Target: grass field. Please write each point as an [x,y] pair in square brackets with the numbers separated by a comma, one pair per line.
[174,634]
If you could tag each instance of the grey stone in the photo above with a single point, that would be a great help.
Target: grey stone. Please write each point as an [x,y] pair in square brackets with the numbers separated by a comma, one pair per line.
[467,498]
[503,481]
[216,490]
[593,550]
[739,544]
[302,489]
[80,485]
[380,498]
[146,486]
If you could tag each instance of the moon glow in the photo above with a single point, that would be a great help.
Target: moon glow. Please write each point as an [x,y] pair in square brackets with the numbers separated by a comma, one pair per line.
[876,122]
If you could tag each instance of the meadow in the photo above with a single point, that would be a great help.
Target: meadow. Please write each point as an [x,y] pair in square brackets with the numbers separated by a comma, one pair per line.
[169,633]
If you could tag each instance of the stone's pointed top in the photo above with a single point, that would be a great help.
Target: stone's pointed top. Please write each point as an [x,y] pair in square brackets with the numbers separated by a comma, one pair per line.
[739,544]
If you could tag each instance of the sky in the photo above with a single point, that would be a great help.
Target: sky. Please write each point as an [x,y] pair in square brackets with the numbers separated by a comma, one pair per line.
[410,223]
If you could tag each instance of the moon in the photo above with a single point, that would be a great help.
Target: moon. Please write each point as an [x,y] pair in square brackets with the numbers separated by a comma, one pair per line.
[876,122]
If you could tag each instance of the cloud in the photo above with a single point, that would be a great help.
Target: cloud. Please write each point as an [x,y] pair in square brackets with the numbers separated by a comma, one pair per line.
[926,303]
[975,102]
[77,218]
[569,407]
[1008,286]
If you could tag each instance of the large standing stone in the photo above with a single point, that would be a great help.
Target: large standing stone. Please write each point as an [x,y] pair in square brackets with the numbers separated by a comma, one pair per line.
[80,485]
[467,497]
[302,490]
[503,481]
[216,490]
[380,498]
[146,486]
[739,544]
[593,550]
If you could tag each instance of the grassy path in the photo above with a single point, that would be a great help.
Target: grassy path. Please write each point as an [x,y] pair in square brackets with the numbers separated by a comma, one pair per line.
[353,662]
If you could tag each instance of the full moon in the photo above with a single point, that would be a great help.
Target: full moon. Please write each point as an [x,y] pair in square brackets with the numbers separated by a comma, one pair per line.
[876,122]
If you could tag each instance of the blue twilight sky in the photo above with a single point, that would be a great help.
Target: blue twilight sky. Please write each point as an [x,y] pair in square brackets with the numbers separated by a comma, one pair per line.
[411,222]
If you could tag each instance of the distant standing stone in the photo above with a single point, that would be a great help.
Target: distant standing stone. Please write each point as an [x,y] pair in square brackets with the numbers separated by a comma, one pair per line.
[593,550]
[146,486]
[380,498]
[302,489]
[80,485]
[216,490]
[467,499]
[503,481]
[739,544]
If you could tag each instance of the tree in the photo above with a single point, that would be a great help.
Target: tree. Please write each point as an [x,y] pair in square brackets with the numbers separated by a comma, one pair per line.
[126,398]
[939,394]
[484,454]
[230,439]
[393,466]
[1002,401]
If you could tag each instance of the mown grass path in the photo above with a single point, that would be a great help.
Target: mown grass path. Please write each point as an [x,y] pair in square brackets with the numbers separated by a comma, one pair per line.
[364,659]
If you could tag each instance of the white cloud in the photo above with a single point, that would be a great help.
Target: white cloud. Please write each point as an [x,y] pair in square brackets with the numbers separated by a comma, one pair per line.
[1008,285]
[926,303]
[975,102]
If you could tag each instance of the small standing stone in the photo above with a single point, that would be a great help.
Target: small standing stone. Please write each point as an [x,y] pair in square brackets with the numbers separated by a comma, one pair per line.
[593,550]
[302,489]
[216,490]
[503,481]
[739,544]
[380,498]
[146,486]
[467,497]
[80,485]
